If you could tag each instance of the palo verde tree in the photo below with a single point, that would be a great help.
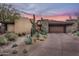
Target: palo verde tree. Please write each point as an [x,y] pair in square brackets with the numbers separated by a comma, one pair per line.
[8,13]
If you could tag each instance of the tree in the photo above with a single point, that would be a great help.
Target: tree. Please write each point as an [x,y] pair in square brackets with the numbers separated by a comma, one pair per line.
[8,13]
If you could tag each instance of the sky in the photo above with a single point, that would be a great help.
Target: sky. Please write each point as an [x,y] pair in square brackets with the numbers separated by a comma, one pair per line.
[53,11]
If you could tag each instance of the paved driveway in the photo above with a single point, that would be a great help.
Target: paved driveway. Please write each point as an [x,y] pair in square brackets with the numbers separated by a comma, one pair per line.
[57,45]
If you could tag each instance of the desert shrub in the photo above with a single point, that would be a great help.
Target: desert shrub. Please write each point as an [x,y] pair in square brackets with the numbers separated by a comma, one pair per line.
[43,31]
[74,31]
[37,35]
[28,40]
[24,34]
[14,45]
[20,35]
[45,36]
[77,33]
[14,52]
[40,36]
[25,51]
[11,36]
[3,40]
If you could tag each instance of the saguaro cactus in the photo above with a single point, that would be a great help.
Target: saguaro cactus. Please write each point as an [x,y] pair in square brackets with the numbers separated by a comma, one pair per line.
[33,30]
[37,30]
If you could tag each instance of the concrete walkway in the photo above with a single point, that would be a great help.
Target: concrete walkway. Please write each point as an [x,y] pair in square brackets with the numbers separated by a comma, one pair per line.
[57,45]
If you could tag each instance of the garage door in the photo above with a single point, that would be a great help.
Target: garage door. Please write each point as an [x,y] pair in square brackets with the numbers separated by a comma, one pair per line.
[56,29]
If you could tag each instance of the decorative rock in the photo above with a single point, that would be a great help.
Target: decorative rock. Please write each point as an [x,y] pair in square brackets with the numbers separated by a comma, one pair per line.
[15,45]
[25,51]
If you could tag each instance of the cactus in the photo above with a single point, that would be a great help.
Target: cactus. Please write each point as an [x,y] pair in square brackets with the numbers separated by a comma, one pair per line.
[28,40]
[33,30]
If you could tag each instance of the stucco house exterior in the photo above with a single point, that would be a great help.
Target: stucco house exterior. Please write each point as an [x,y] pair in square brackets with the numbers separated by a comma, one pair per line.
[21,25]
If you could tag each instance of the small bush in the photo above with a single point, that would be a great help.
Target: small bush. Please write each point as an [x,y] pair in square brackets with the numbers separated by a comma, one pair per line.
[43,31]
[11,36]
[28,40]
[19,35]
[77,33]
[23,34]
[74,31]
[45,36]
[14,52]
[36,36]
[25,51]
[14,45]
[3,40]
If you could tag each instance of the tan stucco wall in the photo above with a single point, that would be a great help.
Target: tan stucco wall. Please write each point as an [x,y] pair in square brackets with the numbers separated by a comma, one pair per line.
[71,28]
[10,27]
[22,26]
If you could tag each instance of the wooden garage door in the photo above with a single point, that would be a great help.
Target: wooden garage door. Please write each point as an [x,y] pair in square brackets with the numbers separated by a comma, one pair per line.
[56,29]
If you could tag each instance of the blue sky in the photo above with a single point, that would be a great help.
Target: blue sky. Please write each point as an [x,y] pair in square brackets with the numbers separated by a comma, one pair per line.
[47,9]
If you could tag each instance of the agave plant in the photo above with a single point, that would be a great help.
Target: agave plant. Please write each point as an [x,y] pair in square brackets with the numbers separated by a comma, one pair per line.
[28,40]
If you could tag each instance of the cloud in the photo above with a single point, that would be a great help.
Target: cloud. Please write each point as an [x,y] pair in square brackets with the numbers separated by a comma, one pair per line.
[48,9]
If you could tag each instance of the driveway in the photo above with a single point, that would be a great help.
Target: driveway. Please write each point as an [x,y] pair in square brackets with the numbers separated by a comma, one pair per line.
[57,45]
